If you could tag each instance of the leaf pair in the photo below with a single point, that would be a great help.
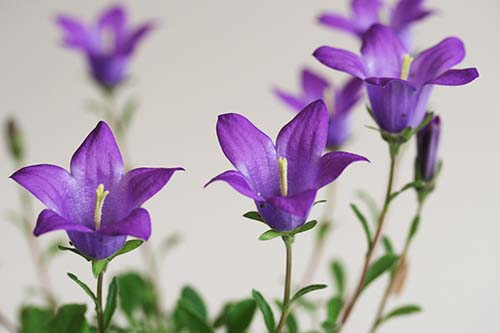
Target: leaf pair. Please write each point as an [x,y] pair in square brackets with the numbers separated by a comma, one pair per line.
[69,318]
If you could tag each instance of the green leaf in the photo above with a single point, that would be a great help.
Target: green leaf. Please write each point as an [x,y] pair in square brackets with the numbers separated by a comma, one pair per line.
[194,301]
[414,184]
[85,288]
[129,246]
[401,311]
[334,308]
[364,223]
[270,234]
[379,267]
[291,323]
[265,309]
[254,216]
[338,276]
[69,318]
[370,202]
[307,290]
[136,295]
[305,227]
[33,319]
[238,316]
[99,266]
[86,257]
[193,322]
[414,227]
[389,248]
[319,202]
[111,302]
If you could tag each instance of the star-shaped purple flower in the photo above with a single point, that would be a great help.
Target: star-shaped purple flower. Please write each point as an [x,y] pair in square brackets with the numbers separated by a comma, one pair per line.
[365,13]
[342,101]
[107,44]
[398,86]
[281,178]
[96,203]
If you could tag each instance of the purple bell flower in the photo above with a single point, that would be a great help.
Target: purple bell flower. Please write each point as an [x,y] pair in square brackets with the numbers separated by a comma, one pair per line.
[108,44]
[96,203]
[345,98]
[398,86]
[427,149]
[365,13]
[281,178]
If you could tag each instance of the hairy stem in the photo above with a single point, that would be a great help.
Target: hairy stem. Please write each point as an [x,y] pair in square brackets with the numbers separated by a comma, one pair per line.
[390,285]
[99,310]
[371,250]
[286,294]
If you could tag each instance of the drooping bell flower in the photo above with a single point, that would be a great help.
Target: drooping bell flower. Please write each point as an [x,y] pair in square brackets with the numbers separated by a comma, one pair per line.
[399,86]
[96,203]
[107,44]
[427,150]
[341,102]
[365,13]
[281,178]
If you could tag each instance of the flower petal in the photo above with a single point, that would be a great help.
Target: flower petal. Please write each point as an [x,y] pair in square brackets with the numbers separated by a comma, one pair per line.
[456,77]
[341,60]
[383,52]
[337,22]
[436,60]
[313,85]
[136,36]
[136,224]
[296,103]
[366,12]
[348,96]
[251,152]
[397,104]
[237,181]
[48,220]
[142,183]
[299,204]
[75,32]
[95,244]
[407,12]
[302,142]
[98,160]
[333,164]
[50,184]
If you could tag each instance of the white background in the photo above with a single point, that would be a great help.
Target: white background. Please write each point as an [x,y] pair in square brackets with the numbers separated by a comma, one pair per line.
[211,57]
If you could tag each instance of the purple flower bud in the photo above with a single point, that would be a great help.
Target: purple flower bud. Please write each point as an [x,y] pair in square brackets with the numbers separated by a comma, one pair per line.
[107,44]
[427,150]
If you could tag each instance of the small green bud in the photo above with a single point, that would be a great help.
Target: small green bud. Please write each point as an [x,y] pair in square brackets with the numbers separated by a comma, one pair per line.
[14,139]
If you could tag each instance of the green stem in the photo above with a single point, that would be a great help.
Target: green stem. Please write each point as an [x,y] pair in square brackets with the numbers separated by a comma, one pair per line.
[288,279]
[371,250]
[99,309]
[390,285]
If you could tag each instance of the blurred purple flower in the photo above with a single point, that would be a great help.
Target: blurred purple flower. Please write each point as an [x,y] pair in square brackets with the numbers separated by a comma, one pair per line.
[95,203]
[399,86]
[365,13]
[427,149]
[108,44]
[282,179]
[315,87]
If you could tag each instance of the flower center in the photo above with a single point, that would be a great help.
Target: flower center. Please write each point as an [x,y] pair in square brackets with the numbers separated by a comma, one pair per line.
[100,195]
[283,170]
[405,70]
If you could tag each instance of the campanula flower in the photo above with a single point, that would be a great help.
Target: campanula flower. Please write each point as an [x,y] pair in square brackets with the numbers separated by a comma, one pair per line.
[96,203]
[427,150]
[398,86]
[281,178]
[365,13]
[107,44]
[341,101]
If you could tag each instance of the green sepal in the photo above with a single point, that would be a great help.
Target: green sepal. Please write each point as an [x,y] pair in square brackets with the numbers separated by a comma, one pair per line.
[266,311]
[305,227]
[379,267]
[288,235]
[319,202]
[99,266]
[253,215]
[270,234]
[76,251]
[129,246]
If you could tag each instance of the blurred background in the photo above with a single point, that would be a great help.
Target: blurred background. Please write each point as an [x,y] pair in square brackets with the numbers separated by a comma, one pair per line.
[212,57]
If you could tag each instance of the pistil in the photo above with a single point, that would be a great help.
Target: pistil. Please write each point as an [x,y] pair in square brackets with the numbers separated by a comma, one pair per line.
[99,203]
[405,70]
[283,171]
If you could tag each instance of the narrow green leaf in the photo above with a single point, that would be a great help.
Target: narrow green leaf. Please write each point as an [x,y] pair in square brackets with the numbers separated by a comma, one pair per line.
[291,323]
[265,309]
[129,246]
[389,248]
[238,316]
[111,302]
[338,276]
[364,223]
[370,202]
[85,288]
[253,215]
[34,319]
[334,308]
[319,202]
[305,227]
[379,267]
[69,318]
[307,290]
[99,266]
[270,234]
[414,184]
[414,227]
[402,311]
[64,248]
